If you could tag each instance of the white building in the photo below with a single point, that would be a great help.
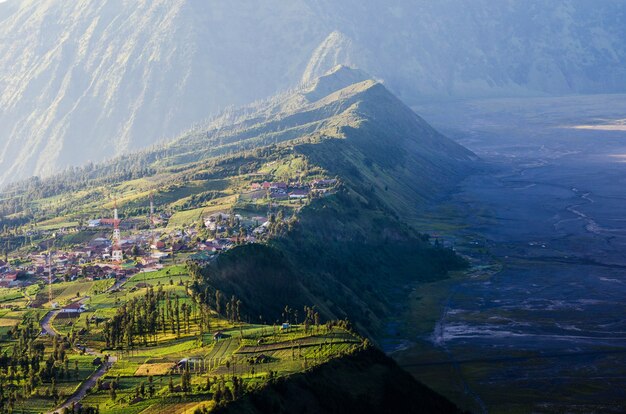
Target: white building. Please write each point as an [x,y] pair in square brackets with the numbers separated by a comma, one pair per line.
[75,307]
[94,223]
[117,255]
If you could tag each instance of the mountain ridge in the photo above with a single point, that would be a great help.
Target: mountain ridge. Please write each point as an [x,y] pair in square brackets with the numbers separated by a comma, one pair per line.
[388,161]
[92,80]
[333,123]
[358,161]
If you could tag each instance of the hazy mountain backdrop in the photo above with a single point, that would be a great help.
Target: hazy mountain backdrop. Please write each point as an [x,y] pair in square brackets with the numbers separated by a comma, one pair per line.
[86,80]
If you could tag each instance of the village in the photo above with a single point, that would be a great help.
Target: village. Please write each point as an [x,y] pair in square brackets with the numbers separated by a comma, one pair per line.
[114,248]
[82,293]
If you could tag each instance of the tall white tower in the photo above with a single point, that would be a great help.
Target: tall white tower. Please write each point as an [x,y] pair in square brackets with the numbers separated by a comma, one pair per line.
[116,227]
[116,251]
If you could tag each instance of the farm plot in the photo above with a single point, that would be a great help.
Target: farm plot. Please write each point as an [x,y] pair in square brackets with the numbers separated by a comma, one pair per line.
[301,342]
[154,368]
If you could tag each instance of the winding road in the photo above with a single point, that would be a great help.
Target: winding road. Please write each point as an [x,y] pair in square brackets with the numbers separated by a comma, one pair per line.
[81,392]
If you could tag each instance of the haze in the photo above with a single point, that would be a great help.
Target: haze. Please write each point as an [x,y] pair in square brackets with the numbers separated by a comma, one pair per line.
[313,205]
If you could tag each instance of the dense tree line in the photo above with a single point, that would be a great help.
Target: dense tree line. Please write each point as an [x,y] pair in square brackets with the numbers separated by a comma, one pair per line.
[79,409]
[141,320]
[27,364]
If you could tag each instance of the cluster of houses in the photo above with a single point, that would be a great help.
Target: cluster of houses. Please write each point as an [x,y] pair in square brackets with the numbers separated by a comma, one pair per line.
[142,251]
[91,260]
[8,277]
[323,185]
[63,266]
[279,190]
[294,190]
[242,230]
[128,223]
[221,221]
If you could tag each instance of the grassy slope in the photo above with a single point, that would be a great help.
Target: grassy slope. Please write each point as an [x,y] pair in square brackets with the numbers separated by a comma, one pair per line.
[383,148]
[342,256]
[365,382]
[350,251]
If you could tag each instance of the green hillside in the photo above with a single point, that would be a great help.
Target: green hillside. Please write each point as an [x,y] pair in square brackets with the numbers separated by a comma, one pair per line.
[359,131]
[344,257]
[282,224]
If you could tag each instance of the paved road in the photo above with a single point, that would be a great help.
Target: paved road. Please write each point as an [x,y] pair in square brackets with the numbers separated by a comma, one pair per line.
[45,323]
[90,382]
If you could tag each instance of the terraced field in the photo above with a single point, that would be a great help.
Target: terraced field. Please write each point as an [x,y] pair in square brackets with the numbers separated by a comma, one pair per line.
[236,353]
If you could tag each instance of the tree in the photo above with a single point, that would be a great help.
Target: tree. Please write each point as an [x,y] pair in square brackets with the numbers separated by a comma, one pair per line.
[218,301]
[228,395]
[150,386]
[217,395]
[186,379]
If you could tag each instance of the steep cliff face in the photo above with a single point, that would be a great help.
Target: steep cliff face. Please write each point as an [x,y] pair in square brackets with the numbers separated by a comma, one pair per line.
[457,48]
[89,80]
[337,49]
